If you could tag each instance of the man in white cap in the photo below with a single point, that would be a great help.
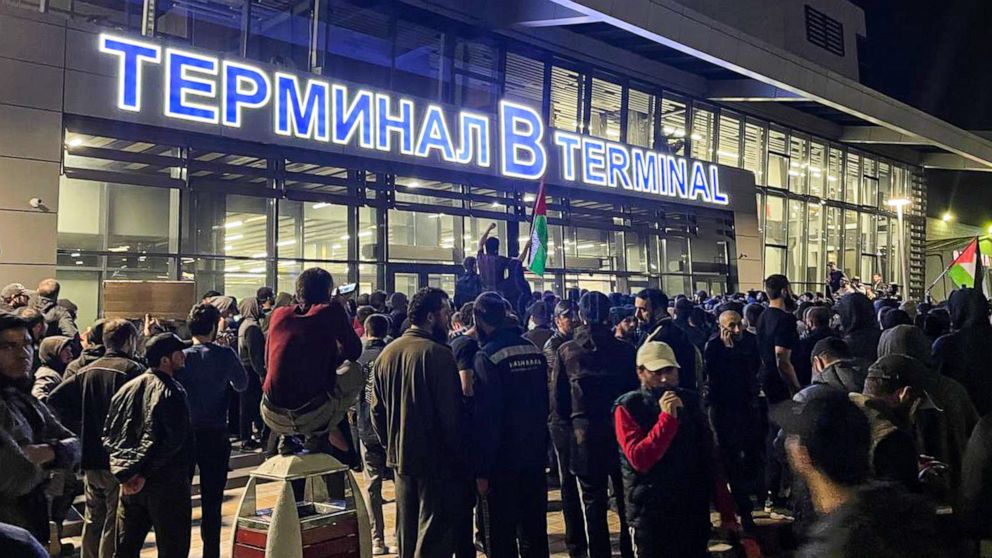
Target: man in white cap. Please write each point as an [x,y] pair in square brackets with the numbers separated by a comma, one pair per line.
[669,472]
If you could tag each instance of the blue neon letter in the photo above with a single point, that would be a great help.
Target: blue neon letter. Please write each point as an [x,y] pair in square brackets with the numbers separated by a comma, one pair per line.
[130,55]
[388,123]
[434,134]
[236,78]
[644,170]
[618,162]
[569,144]
[593,162]
[718,196]
[472,125]
[353,118]
[304,119]
[179,84]
[676,178]
[520,135]
[699,185]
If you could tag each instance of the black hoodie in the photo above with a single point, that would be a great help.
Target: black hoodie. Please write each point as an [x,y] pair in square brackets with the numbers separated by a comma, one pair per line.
[859,327]
[964,354]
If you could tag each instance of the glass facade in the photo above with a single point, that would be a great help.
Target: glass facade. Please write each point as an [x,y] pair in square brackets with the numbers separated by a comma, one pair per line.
[233,218]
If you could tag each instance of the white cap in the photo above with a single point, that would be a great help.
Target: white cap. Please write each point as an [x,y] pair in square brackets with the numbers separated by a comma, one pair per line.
[655,355]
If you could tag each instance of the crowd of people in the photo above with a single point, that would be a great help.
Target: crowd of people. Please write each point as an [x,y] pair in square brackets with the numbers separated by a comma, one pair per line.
[853,419]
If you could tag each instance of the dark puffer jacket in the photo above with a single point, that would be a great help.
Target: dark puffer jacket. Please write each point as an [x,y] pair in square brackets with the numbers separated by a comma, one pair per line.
[58,320]
[859,327]
[964,354]
[551,354]
[593,370]
[679,487]
[149,430]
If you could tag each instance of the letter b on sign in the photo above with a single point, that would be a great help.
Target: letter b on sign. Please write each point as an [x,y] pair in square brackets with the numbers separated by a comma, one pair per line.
[521,153]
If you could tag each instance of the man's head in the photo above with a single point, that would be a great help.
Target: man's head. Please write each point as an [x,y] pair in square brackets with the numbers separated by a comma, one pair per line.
[683,308]
[566,313]
[313,286]
[164,352]
[818,317]
[266,297]
[363,313]
[538,315]
[832,266]
[15,296]
[657,367]
[36,322]
[120,336]
[594,309]
[876,277]
[733,324]
[469,264]
[204,321]
[16,347]
[490,313]
[492,245]
[650,306]
[900,382]
[828,351]
[377,300]
[429,310]
[376,326]
[398,302]
[777,286]
[751,314]
[55,352]
[210,294]
[827,442]
[49,288]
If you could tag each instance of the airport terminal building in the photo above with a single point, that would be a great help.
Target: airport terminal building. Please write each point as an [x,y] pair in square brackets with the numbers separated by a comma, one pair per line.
[236,142]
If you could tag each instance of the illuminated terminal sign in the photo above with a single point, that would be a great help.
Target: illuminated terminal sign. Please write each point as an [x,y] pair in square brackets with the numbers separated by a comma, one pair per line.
[514,142]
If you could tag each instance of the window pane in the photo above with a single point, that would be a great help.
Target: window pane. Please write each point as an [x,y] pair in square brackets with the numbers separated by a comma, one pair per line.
[237,278]
[416,236]
[590,249]
[885,246]
[83,288]
[796,240]
[368,227]
[774,260]
[276,31]
[232,225]
[833,234]
[729,148]
[417,60]
[775,220]
[778,159]
[835,191]
[208,24]
[289,271]
[359,46]
[565,90]
[673,124]
[851,242]
[817,169]
[814,243]
[868,245]
[797,164]
[524,80]
[852,178]
[636,252]
[476,74]
[604,116]
[367,278]
[131,224]
[754,151]
[313,231]
[703,122]
[406,283]
[676,255]
[884,183]
[640,118]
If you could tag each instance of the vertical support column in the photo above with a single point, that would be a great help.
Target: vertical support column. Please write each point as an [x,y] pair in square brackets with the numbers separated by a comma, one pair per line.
[148,18]
[245,28]
[318,33]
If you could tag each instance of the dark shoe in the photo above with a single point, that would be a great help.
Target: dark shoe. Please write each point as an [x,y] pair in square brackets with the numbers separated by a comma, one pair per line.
[289,445]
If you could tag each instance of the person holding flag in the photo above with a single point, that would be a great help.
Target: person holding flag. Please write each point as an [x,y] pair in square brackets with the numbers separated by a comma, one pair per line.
[962,354]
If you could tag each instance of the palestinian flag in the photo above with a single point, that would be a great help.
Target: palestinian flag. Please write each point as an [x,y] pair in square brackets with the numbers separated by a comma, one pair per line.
[538,256]
[966,269]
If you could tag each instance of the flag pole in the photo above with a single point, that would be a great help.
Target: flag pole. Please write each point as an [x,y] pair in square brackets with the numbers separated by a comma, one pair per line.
[978,257]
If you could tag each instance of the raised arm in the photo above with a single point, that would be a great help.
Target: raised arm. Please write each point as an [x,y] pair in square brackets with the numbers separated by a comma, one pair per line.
[485,236]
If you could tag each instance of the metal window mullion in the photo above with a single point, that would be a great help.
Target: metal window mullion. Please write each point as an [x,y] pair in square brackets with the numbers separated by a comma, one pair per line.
[149,20]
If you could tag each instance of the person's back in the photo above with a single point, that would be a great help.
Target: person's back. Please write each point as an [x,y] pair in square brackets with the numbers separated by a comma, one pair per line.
[962,354]
[776,329]
[210,370]
[303,352]
[599,369]
[469,284]
[417,392]
[859,326]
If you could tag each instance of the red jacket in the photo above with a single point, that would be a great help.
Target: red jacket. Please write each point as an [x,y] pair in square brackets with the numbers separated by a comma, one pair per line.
[305,347]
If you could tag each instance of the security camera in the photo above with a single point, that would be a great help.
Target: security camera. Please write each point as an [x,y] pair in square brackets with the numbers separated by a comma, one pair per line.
[36,202]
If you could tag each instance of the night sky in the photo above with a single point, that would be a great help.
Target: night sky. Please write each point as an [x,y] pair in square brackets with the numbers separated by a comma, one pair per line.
[937,56]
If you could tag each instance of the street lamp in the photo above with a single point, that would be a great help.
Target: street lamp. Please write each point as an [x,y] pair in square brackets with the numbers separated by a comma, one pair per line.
[899,204]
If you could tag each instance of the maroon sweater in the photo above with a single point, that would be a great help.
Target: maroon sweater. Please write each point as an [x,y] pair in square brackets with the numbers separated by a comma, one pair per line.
[303,353]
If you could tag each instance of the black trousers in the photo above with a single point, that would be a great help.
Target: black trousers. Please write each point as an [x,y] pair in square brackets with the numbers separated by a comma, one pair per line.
[428,515]
[675,538]
[595,502]
[571,502]
[516,515]
[212,454]
[162,505]
[251,416]
[740,442]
